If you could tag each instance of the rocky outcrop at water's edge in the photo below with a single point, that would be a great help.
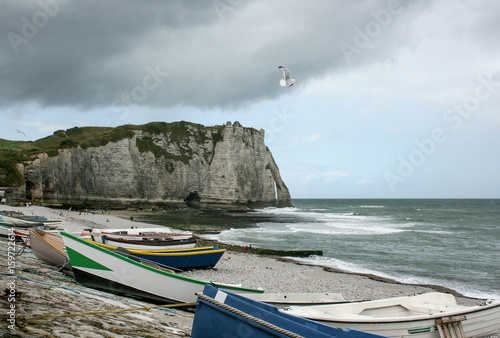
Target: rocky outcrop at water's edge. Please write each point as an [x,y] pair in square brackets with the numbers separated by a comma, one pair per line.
[158,164]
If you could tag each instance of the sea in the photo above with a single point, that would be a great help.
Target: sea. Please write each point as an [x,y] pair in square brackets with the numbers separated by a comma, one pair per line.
[453,243]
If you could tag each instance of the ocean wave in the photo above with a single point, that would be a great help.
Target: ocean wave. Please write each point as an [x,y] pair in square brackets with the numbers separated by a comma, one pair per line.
[346,229]
[339,265]
[464,289]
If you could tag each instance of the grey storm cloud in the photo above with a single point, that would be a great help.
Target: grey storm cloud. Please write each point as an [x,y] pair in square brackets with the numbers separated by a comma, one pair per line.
[222,53]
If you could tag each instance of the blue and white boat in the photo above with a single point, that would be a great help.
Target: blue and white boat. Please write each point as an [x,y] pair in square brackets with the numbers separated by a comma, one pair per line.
[223,314]
[183,259]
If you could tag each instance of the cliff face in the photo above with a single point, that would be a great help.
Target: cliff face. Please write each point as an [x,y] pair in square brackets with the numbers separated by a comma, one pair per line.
[222,165]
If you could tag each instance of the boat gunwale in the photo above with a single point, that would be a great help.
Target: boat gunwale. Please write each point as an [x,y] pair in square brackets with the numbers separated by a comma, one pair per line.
[392,320]
[140,265]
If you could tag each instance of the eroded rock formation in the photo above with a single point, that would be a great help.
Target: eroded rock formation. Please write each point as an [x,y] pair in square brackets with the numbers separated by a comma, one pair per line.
[170,164]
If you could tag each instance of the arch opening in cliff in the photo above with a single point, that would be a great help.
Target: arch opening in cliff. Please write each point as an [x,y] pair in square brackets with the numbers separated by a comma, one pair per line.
[193,200]
[29,190]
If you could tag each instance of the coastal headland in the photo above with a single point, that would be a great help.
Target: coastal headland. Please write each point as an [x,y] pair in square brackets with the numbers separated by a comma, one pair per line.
[34,291]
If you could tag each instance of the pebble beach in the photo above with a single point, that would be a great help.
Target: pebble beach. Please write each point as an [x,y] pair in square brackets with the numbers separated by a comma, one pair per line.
[43,291]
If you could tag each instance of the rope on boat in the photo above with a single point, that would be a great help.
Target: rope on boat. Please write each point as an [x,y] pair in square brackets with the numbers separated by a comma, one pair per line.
[66,261]
[20,252]
[248,317]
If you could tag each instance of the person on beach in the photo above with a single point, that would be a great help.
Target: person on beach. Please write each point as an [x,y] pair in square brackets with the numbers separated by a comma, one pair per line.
[246,249]
[250,249]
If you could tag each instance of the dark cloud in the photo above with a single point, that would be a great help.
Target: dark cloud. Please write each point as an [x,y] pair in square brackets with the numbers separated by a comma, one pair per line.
[219,53]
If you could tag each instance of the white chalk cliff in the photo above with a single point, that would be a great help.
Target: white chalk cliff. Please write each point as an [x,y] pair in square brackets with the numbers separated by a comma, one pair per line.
[227,165]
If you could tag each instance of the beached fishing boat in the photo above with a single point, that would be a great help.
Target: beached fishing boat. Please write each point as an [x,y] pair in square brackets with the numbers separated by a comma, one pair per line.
[150,236]
[21,223]
[49,248]
[146,244]
[184,259]
[422,316]
[282,300]
[147,239]
[20,233]
[101,268]
[141,232]
[223,314]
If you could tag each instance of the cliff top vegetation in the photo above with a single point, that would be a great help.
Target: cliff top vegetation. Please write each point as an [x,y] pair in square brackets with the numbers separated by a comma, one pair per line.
[12,152]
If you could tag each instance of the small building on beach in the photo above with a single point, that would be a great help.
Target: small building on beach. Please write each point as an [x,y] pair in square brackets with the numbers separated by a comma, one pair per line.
[7,196]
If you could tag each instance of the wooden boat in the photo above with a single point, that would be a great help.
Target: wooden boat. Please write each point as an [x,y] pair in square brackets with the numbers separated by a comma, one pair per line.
[20,233]
[283,300]
[223,314]
[150,236]
[146,244]
[49,248]
[420,315]
[101,268]
[21,223]
[184,259]
[111,247]
[141,232]
[146,239]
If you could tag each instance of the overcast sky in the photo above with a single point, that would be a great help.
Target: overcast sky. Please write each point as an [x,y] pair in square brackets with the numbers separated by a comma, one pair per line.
[393,100]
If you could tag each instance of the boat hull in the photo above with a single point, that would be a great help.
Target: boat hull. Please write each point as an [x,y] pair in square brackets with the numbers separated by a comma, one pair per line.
[49,248]
[103,269]
[194,260]
[222,314]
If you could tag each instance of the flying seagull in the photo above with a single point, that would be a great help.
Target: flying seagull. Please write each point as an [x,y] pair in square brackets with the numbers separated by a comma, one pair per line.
[287,80]
[20,132]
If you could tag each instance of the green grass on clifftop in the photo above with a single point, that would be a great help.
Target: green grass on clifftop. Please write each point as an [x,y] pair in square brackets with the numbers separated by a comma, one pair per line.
[12,152]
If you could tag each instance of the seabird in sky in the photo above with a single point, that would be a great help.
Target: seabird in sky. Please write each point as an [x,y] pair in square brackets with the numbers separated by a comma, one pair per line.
[20,132]
[287,80]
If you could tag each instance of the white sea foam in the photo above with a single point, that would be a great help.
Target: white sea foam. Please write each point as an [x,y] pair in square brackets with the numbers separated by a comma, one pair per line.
[407,240]
[466,290]
[339,265]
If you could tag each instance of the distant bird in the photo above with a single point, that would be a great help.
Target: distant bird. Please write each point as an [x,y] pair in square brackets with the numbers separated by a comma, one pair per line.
[287,80]
[20,132]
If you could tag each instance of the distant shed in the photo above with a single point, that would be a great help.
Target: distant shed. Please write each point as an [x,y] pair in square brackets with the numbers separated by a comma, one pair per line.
[7,196]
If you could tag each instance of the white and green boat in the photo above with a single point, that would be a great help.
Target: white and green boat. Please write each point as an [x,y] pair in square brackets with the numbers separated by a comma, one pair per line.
[103,269]
[429,315]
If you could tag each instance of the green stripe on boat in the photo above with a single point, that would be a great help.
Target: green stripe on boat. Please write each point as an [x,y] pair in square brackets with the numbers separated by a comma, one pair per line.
[77,259]
[422,330]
